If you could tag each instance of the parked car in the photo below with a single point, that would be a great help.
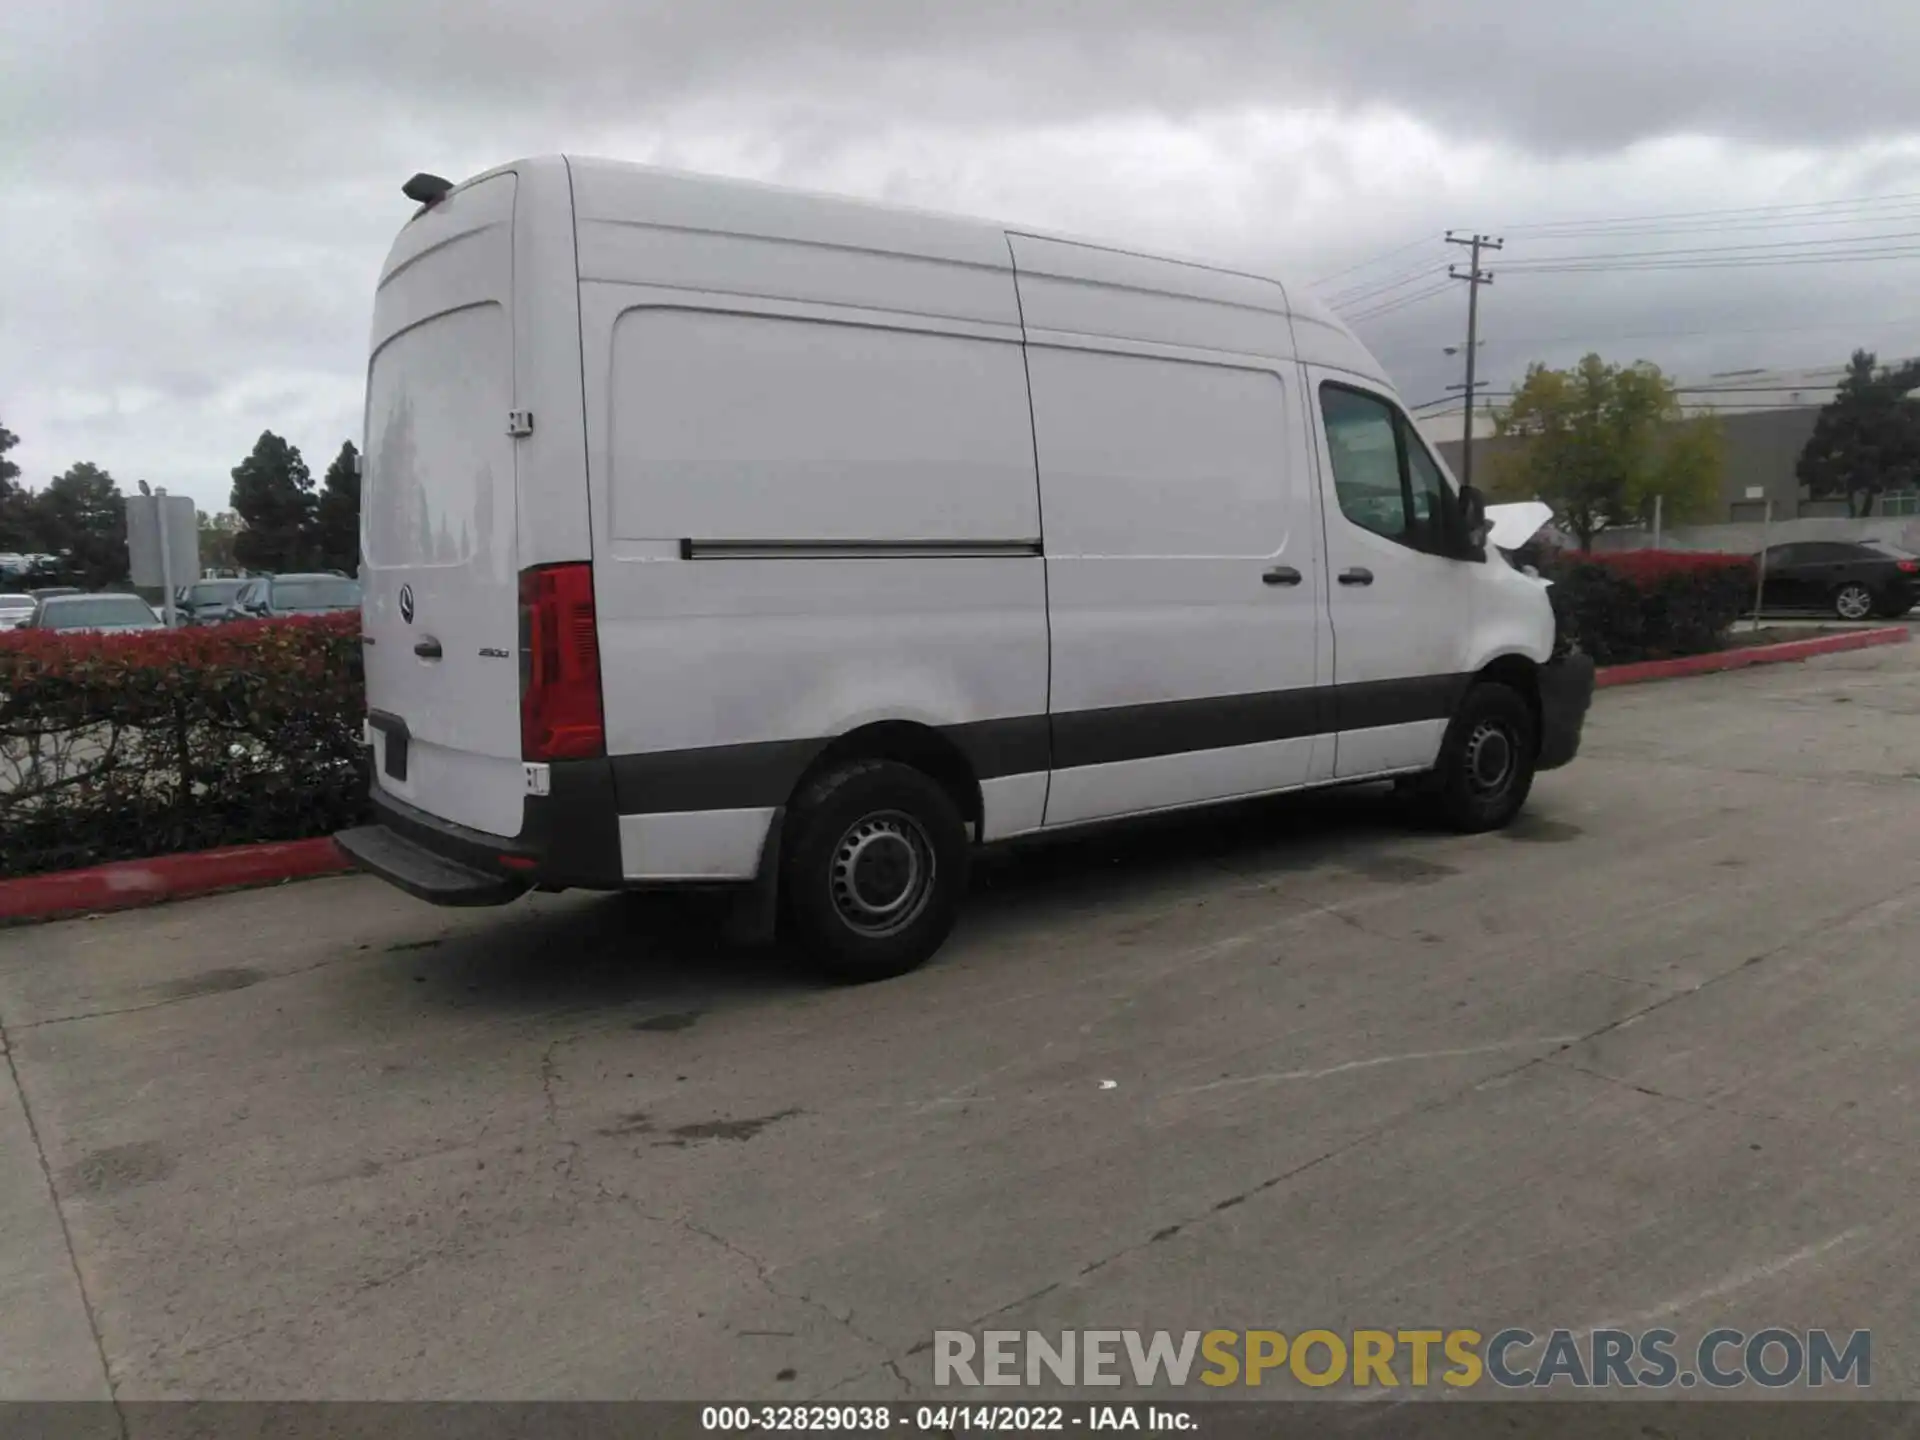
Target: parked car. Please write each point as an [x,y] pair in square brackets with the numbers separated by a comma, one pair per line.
[15,611]
[779,608]
[1854,579]
[47,592]
[206,602]
[274,596]
[78,612]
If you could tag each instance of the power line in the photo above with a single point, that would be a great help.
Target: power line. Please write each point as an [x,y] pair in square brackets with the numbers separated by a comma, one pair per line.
[1783,222]
[1814,206]
[1830,241]
[1593,266]
[1399,304]
[1363,293]
[1374,260]
[1717,227]
[1713,332]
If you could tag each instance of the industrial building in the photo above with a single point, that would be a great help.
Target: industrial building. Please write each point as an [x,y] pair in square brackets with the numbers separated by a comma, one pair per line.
[1767,417]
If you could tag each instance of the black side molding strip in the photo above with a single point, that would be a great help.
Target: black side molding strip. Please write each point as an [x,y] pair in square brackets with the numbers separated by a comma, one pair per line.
[691,549]
[759,774]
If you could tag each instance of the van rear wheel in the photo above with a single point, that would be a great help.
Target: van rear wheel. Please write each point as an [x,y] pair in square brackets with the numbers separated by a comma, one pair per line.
[873,868]
[1486,762]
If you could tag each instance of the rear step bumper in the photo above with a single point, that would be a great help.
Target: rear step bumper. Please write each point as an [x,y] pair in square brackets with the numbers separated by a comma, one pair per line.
[423,874]
[569,838]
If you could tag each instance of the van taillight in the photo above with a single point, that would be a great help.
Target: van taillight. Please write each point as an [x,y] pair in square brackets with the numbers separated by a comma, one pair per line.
[560,715]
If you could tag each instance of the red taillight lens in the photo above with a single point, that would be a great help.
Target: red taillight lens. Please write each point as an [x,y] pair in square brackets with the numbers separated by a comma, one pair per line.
[560,715]
[1910,566]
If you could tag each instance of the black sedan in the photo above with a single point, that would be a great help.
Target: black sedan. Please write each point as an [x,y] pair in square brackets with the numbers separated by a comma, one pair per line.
[272,596]
[205,602]
[1854,579]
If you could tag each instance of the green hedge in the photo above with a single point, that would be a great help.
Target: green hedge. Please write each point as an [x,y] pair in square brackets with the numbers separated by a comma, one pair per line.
[1648,604]
[118,747]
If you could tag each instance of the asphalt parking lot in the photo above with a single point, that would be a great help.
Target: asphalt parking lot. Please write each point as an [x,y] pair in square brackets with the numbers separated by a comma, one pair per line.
[1649,1058]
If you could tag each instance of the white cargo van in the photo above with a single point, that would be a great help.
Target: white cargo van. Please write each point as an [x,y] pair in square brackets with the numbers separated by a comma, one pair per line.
[722,534]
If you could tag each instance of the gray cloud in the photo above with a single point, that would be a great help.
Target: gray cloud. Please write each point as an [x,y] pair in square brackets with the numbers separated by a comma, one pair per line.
[1556,78]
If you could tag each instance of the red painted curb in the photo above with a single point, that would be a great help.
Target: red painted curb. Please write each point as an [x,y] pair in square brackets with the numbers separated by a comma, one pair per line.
[1751,655]
[129,883]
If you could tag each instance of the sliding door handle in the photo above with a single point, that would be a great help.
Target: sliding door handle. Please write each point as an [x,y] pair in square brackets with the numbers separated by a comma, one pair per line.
[1356,576]
[1281,575]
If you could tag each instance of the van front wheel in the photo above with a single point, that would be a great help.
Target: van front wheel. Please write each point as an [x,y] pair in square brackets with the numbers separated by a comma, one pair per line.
[873,869]
[1487,761]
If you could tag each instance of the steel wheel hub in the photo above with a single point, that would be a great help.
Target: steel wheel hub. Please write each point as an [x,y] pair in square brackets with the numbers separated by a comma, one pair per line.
[882,873]
[1490,758]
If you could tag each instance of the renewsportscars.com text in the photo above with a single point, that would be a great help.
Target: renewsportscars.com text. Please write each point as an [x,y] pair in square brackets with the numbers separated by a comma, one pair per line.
[1595,1359]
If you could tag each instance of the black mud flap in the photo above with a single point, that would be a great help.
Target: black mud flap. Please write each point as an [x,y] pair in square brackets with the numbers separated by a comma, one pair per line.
[754,916]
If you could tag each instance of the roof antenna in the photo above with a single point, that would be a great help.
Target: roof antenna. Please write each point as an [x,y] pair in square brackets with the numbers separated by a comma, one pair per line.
[426,189]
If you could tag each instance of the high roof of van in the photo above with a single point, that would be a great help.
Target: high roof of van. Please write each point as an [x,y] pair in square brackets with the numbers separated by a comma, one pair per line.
[647,194]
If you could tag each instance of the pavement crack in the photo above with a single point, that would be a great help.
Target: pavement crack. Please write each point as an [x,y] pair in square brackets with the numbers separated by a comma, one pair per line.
[1668,1095]
[66,1232]
[549,1077]
[763,1272]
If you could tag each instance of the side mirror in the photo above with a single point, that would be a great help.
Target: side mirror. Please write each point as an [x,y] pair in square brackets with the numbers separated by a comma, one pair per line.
[1473,518]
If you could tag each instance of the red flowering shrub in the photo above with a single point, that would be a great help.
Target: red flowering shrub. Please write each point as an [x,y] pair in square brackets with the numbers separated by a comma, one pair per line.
[114,747]
[1649,604]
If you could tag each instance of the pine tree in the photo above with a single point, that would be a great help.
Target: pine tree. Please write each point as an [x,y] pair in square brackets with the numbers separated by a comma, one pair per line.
[273,495]
[337,516]
[1867,438]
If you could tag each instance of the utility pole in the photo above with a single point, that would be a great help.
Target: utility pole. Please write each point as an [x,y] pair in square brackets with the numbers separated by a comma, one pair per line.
[1475,278]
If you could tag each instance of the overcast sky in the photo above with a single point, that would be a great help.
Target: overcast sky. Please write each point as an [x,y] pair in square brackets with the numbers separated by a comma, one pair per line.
[198,197]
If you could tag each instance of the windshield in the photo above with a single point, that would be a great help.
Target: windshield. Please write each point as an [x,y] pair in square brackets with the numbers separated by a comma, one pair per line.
[97,610]
[1887,547]
[316,594]
[213,592]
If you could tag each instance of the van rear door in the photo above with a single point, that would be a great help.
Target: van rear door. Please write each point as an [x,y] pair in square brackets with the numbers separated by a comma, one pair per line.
[441,606]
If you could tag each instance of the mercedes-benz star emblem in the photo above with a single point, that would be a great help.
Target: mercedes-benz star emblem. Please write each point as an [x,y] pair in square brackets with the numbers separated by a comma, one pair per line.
[406,603]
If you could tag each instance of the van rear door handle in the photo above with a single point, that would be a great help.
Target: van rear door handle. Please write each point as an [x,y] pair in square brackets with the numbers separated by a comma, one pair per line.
[1281,575]
[428,649]
[1356,576]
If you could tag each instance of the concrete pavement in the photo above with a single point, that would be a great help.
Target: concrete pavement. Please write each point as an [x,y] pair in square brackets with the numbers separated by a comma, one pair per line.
[1649,1057]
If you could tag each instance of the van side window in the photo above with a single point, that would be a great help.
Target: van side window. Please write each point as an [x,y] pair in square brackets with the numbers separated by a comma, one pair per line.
[1384,477]
[1366,461]
[1427,526]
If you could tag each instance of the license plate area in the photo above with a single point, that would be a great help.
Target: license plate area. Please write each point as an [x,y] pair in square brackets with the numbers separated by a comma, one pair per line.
[395,741]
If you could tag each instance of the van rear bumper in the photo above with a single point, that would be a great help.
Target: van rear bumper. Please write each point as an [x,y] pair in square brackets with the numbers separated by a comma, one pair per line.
[569,838]
[1566,693]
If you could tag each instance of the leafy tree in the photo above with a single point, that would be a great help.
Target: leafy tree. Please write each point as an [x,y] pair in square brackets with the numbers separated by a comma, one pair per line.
[273,495]
[16,532]
[1601,441]
[81,517]
[217,535]
[337,517]
[1867,438]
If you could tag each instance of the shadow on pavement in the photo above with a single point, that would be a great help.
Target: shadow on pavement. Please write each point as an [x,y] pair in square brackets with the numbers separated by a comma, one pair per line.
[662,954]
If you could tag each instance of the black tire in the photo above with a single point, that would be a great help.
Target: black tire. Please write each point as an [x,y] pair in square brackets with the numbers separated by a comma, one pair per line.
[873,865]
[1854,601]
[1486,762]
